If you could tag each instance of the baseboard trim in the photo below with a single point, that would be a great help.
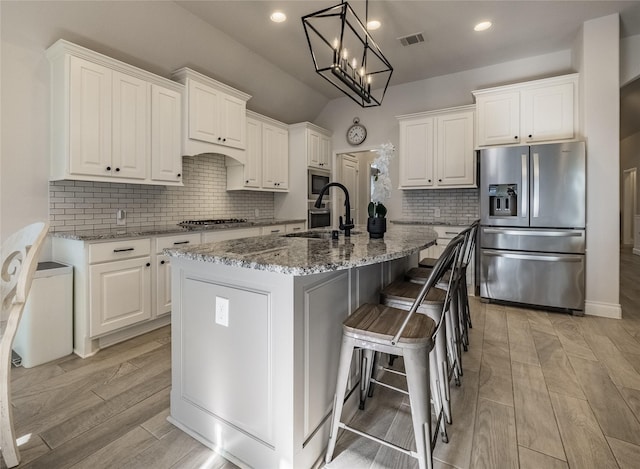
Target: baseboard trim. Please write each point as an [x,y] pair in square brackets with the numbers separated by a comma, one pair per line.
[604,310]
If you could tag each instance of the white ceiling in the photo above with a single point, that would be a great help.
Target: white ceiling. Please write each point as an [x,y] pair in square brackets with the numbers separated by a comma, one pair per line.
[520,29]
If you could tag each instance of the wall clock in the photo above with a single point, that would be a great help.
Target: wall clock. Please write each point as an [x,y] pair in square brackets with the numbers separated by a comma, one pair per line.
[357,133]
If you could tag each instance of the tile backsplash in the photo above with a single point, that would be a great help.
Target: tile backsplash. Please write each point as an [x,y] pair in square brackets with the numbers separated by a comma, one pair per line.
[459,206]
[83,205]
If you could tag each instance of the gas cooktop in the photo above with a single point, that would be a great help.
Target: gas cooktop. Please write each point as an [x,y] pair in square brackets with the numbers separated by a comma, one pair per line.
[214,221]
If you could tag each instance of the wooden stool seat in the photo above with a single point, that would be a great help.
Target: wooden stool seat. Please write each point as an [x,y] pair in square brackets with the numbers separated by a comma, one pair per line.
[427,262]
[375,321]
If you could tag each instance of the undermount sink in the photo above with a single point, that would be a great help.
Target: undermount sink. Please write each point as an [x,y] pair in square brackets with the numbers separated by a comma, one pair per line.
[317,234]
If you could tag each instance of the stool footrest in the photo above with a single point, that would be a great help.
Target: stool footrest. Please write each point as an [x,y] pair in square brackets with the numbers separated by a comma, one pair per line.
[388,386]
[413,454]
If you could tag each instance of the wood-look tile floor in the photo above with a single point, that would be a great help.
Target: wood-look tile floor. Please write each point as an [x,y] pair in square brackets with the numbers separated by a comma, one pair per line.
[540,390]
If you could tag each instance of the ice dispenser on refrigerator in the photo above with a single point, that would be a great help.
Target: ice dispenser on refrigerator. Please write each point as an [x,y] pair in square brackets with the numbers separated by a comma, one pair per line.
[503,200]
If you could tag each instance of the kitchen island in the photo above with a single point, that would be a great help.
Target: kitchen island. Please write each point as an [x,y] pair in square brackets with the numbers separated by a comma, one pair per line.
[256,334]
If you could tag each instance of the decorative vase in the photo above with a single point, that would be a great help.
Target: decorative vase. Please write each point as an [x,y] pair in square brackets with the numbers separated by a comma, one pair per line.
[376,226]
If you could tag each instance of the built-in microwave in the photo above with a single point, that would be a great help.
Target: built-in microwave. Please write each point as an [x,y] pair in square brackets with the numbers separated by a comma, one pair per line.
[317,180]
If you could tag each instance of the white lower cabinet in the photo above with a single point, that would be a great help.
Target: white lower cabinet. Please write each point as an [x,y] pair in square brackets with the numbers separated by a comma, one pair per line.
[162,269]
[223,235]
[120,293]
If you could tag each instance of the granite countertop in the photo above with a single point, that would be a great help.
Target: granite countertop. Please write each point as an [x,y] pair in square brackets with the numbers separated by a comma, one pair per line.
[305,256]
[142,232]
[430,223]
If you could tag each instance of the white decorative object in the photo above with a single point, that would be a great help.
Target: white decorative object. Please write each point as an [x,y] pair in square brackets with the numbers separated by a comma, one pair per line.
[382,182]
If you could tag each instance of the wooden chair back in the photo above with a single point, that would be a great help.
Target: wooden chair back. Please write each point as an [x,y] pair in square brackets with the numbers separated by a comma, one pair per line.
[19,259]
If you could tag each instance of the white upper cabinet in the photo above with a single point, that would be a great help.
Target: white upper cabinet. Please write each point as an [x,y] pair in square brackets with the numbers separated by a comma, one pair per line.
[498,118]
[437,149]
[266,165]
[319,149]
[108,121]
[215,116]
[275,157]
[535,111]
[130,126]
[166,135]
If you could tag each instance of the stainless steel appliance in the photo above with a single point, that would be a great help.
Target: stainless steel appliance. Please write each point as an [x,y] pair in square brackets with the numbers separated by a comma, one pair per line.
[532,234]
[319,217]
[317,180]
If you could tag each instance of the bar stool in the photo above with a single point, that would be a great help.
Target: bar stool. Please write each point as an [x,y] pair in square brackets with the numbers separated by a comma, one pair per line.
[380,328]
[402,294]
[420,274]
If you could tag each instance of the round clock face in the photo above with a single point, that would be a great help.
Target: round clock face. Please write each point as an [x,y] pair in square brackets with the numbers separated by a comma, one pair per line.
[356,134]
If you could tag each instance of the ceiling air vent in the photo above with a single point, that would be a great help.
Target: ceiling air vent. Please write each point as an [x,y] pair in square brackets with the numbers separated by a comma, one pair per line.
[411,39]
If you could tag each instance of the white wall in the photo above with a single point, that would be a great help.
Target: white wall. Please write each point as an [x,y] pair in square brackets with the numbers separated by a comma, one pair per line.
[434,93]
[600,81]
[629,59]
[630,158]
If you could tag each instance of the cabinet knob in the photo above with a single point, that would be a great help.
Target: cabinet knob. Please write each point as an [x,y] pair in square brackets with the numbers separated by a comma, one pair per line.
[179,175]
[516,137]
[148,264]
[428,180]
[219,139]
[530,135]
[246,182]
[117,170]
[108,168]
[224,139]
[162,262]
[439,180]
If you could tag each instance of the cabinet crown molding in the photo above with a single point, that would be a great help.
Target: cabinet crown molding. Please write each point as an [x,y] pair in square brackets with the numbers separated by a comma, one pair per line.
[183,73]
[435,112]
[62,47]
[267,119]
[310,126]
[525,84]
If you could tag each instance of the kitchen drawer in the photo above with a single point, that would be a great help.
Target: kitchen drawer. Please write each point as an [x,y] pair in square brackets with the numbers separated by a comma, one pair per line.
[117,250]
[293,227]
[448,232]
[177,241]
[274,229]
[223,235]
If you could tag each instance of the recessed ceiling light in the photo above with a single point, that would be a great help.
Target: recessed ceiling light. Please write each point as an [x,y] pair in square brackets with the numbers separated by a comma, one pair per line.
[373,25]
[482,26]
[278,17]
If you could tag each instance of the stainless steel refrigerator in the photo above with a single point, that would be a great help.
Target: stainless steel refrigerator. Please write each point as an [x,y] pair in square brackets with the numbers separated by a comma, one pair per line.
[532,233]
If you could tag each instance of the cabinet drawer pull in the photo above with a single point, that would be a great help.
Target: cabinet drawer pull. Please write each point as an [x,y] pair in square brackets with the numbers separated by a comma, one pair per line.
[275,231]
[297,228]
[451,232]
[162,262]
[123,250]
[180,242]
[148,264]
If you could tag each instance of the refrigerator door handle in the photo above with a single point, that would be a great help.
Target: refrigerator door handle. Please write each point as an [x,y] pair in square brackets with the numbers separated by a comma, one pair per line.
[525,184]
[534,257]
[567,234]
[536,185]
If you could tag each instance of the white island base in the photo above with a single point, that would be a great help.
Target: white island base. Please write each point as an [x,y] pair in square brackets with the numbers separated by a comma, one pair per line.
[259,389]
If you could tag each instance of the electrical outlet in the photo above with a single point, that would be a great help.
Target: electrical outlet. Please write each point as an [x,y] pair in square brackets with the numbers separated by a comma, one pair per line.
[222,311]
[436,212]
[121,217]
